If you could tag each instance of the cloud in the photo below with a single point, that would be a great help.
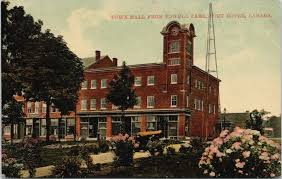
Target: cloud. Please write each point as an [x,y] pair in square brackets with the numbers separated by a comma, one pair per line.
[78,22]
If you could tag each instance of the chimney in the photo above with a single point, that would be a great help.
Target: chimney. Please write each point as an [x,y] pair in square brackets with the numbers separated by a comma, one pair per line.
[98,55]
[115,61]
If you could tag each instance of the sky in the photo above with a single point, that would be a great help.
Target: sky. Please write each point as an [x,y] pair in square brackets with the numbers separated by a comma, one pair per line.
[248,49]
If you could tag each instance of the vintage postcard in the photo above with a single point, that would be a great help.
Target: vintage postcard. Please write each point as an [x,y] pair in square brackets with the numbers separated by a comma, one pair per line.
[147,89]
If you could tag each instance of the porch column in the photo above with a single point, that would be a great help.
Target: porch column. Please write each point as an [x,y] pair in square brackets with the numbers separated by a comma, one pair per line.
[143,123]
[181,125]
[109,127]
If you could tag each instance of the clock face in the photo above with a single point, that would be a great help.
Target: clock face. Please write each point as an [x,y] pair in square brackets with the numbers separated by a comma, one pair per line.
[174,31]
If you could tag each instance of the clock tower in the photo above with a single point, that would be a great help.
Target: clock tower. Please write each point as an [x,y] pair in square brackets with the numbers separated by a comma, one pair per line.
[178,44]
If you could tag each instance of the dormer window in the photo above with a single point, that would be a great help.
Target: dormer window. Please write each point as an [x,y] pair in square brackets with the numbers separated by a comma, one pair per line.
[174,47]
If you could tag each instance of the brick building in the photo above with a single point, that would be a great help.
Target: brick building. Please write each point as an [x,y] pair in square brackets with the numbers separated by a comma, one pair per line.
[173,96]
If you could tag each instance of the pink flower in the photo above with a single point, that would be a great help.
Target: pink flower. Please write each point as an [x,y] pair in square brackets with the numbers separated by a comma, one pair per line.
[223,133]
[272,175]
[240,164]
[238,130]
[219,154]
[212,174]
[246,154]
[240,171]
[136,145]
[275,156]
[247,137]
[218,141]
[237,145]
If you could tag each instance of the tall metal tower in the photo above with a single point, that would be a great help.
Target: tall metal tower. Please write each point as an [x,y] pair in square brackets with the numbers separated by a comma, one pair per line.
[211,66]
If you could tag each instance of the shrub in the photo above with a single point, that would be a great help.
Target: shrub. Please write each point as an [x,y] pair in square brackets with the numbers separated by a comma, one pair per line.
[68,167]
[74,151]
[185,149]
[29,150]
[156,147]
[103,146]
[170,151]
[10,166]
[241,153]
[93,149]
[123,146]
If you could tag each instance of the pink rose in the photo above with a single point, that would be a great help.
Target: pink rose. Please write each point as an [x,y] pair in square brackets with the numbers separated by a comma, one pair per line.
[246,154]
[237,145]
[212,174]
[240,164]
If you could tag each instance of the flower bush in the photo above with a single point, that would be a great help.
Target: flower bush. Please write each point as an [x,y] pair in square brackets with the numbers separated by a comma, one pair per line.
[29,150]
[156,147]
[69,167]
[10,166]
[241,153]
[123,146]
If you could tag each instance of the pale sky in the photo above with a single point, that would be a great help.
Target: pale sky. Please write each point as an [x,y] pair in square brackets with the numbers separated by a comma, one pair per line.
[248,49]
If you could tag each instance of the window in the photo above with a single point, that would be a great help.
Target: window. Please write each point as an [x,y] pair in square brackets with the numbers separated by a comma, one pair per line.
[84,85]
[70,126]
[173,101]
[173,78]
[174,47]
[103,103]
[138,105]
[44,107]
[54,126]
[213,109]
[151,80]
[43,127]
[104,83]
[102,127]
[151,123]
[84,104]
[116,125]
[150,101]
[7,130]
[172,127]
[187,101]
[196,83]
[174,61]
[210,108]
[29,107]
[92,104]
[135,125]
[36,109]
[214,91]
[188,79]
[137,81]
[199,104]
[93,84]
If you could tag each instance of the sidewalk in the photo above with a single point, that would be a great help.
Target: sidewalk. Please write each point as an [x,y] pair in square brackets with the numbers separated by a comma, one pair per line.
[101,158]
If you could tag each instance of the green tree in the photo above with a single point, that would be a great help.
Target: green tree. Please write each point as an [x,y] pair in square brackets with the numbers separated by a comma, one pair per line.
[17,28]
[53,74]
[275,123]
[121,93]
[12,114]
[255,121]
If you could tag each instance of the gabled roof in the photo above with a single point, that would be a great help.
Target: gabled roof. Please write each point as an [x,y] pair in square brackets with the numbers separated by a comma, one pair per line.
[89,61]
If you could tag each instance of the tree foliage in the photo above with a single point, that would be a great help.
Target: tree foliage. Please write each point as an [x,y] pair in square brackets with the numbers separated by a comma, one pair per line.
[121,93]
[255,121]
[38,63]
[53,74]
[17,29]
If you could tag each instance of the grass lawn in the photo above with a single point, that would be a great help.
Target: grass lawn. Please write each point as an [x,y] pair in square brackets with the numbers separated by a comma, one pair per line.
[177,165]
